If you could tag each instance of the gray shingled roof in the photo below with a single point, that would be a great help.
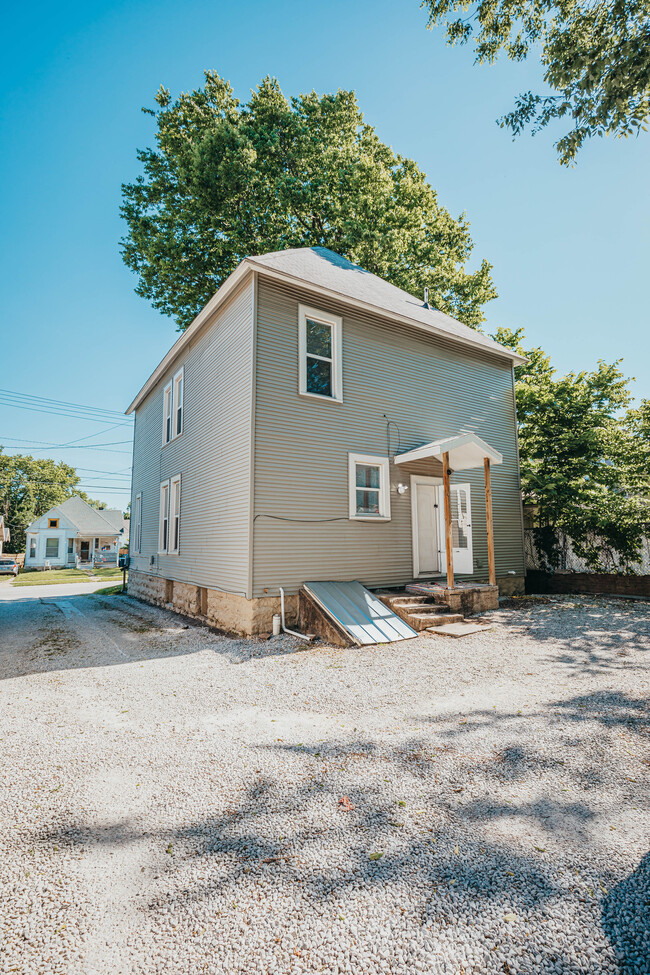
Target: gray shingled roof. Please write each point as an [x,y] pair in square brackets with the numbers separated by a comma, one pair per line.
[88,520]
[326,269]
[332,275]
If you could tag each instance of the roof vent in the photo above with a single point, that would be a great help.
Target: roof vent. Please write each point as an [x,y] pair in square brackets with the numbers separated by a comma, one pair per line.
[426,297]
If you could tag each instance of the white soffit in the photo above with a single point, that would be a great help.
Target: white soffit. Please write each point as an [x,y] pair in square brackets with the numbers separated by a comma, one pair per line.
[465,450]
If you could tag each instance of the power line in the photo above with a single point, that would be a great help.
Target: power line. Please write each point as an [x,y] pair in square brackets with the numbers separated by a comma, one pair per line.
[88,436]
[125,472]
[36,401]
[104,488]
[54,412]
[63,446]
[115,488]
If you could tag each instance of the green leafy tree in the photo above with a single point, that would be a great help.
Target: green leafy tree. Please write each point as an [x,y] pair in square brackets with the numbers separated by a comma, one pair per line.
[28,488]
[637,427]
[579,458]
[228,180]
[596,60]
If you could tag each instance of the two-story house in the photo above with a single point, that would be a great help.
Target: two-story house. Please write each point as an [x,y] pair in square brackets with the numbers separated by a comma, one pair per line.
[315,422]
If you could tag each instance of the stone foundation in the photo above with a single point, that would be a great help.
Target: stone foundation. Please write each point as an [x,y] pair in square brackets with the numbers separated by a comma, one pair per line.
[469,601]
[225,610]
[511,585]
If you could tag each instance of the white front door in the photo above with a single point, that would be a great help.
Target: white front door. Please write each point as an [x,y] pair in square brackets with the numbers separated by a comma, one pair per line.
[425,522]
[461,527]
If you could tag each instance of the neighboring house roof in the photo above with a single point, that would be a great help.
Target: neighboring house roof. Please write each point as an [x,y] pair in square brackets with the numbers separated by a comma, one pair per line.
[113,517]
[86,519]
[325,272]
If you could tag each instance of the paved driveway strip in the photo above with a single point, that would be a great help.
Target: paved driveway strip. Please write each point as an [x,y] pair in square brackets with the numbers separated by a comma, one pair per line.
[172,798]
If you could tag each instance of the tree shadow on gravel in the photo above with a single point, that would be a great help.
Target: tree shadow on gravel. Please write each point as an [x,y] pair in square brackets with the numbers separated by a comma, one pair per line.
[588,637]
[610,709]
[286,828]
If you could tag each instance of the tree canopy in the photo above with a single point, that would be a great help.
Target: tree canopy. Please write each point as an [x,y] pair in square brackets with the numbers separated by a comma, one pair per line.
[228,180]
[596,60]
[29,487]
[585,458]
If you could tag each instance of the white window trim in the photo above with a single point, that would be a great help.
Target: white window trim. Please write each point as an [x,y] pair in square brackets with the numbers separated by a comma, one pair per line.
[305,312]
[163,514]
[137,534]
[384,486]
[178,381]
[171,548]
[168,415]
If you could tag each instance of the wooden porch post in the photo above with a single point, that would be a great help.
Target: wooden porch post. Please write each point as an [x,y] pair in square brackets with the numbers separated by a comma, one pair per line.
[492,572]
[448,536]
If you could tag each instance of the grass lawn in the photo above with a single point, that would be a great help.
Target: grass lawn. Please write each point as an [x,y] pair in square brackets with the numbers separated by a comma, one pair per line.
[109,573]
[50,578]
[109,591]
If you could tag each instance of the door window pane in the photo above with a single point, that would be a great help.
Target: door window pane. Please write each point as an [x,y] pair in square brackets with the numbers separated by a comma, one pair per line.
[319,339]
[319,376]
[458,519]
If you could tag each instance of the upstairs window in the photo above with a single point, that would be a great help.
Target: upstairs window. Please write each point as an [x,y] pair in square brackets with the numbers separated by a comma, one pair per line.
[52,522]
[369,487]
[319,343]
[167,414]
[178,404]
[173,408]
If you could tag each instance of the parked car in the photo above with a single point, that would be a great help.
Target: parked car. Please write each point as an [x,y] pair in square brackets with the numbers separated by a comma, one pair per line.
[8,565]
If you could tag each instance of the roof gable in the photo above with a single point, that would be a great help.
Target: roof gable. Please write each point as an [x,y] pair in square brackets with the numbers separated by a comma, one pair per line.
[81,517]
[333,276]
[327,270]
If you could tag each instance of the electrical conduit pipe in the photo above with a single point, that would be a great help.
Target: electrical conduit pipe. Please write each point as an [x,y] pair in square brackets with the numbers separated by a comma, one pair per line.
[300,636]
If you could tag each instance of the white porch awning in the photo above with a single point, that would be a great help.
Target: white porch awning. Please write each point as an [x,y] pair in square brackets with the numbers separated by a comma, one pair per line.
[465,450]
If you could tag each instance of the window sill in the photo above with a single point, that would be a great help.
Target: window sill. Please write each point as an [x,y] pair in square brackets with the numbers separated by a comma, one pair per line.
[173,440]
[323,399]
[370,518]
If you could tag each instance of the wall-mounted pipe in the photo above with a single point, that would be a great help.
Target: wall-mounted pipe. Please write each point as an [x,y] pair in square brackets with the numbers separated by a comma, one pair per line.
[300,636]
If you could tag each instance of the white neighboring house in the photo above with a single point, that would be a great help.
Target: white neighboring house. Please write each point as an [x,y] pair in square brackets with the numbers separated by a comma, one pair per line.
[75,534]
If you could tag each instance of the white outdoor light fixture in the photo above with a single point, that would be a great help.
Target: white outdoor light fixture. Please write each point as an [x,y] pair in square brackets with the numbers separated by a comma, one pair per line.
[402,488]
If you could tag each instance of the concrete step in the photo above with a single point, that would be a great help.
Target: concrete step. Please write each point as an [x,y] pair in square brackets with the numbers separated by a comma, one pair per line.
[427,621]
[413,604]
[460,629]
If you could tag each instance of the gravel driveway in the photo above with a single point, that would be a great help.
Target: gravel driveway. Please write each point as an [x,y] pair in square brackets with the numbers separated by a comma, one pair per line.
[171,798]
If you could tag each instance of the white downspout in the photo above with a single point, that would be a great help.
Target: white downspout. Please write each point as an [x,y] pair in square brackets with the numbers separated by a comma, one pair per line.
[301,636]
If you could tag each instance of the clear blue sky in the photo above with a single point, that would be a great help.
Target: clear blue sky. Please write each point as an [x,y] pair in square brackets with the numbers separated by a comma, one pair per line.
[570,248]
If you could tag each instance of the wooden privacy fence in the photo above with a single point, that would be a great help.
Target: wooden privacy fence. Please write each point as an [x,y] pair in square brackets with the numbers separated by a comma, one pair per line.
[587,582]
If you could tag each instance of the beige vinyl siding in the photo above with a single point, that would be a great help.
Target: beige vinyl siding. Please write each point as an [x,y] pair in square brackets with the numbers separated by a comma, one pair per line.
[428,387]
[212,455]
